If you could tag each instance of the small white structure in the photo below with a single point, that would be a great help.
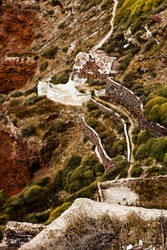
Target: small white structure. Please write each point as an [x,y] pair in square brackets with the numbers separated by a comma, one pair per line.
[64,93]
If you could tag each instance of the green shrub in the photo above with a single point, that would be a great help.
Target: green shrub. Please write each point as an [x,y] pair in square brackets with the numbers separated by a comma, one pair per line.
[89,161]
[92,123]
[43,66]
[62,79]
[119,146]
[16,94]
[141,152]
[91,106]
[89,176]
[96,113]
[98,168]
[57,212]
[55,2]
[30,91]
[159,149]
[50,12]
[106,4]
[29,131]
[61,26]
[143,137]
[74,161]
[59,126]
[33,100]
[1,232]
[136,130]
[33,194]
[4,219]
[136,170]
[165,159]
[43,182]
[50,53]
[2,196]
[37,217]
[155,171]
[84,192]
[149,161]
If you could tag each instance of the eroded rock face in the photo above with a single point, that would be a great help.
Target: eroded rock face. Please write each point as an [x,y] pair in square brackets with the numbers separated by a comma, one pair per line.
[17,233]
[14,73]
[18,26]
[19,160]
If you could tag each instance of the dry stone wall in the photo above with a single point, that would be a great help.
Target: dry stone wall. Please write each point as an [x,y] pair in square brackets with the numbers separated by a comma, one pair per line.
[118,119]
[132,103]
[102,156]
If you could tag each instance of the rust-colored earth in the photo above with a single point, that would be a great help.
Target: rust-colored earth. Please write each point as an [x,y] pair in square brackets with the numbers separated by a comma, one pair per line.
[18,28]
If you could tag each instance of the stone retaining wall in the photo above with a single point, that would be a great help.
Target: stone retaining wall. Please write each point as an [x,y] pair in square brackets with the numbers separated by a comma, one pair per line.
[133,104]
[102,156]
[118,119]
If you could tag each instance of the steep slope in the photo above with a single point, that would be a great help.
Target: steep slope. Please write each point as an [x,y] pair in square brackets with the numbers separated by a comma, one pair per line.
[42,138]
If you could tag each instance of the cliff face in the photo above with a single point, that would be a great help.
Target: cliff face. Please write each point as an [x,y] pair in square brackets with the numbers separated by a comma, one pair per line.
[18,26]
[19,160]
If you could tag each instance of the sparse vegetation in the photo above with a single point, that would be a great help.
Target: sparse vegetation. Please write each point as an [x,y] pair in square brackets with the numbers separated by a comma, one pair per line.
[43,66]
[108,233]
[50,53]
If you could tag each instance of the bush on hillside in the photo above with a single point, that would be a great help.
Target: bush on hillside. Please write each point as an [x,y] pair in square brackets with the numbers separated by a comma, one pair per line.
[155,110]
[62,79]
[55,2]
[43,66]
[91,106]
[58,126]
[29,131]
[33,194]
[57,212]
[143,137]
[43,182]
[155,171]
[136,170]
[16,94]
[33,100]
[2,196]
[50,53]
[74,161]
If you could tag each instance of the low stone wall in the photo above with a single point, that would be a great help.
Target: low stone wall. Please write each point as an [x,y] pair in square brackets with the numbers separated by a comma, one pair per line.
[118,119]
[102,156]
[133,104]
[57,95]
[151,191]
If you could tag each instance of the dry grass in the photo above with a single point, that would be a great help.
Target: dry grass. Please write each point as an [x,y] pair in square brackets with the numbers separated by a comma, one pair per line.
[109,233]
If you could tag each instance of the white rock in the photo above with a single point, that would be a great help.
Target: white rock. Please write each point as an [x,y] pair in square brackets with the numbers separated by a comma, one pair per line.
[129,247]
[140,243]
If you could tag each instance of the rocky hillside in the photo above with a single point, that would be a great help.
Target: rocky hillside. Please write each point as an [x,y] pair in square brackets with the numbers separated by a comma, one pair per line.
[48,155]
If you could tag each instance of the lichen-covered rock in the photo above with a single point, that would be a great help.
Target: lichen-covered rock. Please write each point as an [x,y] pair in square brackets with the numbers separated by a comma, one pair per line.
[17,233]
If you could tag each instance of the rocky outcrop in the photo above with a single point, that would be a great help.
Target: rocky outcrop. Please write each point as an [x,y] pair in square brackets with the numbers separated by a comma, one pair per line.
[132,103]
[17,233]
[17,32]
[91,209]
[101,154]
[15,73]
[20,159]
